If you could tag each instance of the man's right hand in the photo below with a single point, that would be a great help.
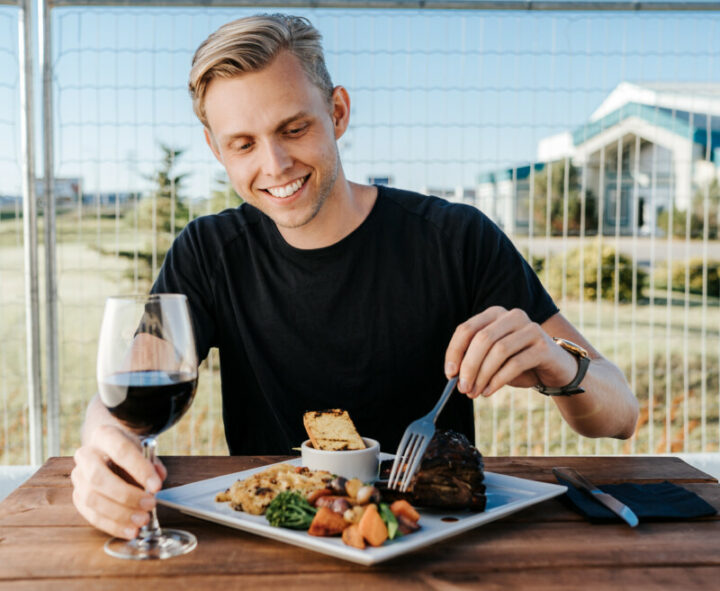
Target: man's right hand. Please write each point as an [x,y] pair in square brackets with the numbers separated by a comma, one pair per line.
[106,500]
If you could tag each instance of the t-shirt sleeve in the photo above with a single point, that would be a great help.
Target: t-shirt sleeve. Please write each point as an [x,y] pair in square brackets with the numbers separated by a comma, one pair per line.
[502,277]
[187,270]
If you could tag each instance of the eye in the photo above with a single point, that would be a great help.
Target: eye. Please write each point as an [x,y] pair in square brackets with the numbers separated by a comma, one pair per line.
[240,146]
[297,129]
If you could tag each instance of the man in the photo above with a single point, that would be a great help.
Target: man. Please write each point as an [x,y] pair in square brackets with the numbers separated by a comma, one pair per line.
[320,292]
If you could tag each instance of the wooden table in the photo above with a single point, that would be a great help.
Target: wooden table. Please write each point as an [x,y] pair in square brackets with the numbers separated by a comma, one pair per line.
[45,544]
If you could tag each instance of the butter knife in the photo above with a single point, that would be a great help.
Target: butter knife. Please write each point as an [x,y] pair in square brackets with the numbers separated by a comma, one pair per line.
[609,501]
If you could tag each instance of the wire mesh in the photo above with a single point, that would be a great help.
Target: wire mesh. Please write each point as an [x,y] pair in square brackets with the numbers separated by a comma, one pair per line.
[14,441]
[519,113]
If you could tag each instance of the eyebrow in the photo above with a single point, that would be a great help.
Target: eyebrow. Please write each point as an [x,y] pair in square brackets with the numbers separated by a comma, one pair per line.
[283,123]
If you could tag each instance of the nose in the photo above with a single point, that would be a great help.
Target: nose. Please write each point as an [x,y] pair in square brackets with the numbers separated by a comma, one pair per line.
[276,158]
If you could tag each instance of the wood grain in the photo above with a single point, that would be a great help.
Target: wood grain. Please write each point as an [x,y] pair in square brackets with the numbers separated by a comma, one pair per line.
[45,544]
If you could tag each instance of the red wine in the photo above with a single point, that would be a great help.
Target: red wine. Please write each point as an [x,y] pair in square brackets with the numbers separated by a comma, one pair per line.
[148,402]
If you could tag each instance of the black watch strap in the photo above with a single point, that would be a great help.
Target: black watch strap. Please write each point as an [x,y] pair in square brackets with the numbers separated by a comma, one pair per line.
[574,386]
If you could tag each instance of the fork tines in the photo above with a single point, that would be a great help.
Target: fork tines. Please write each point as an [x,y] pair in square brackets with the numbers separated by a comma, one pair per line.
[415,441]
[415,446]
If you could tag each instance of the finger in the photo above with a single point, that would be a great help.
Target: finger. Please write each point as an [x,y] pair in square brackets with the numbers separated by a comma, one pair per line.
[518,364]
[462,336]
[481,344]
[104,513]
[123,449]
[94,474]
[501,351]
[160,469]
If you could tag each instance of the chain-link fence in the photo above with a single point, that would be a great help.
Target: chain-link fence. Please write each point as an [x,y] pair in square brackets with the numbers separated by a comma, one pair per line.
[590,136]
[14,428]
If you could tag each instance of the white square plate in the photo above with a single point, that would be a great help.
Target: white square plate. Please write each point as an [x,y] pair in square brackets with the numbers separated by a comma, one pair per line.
[505,495]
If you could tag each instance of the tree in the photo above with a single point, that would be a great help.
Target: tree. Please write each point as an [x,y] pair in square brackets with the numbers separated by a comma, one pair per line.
[557,193]
[697,215]
[224,196]
[554,276]
[161,214]
[164,209]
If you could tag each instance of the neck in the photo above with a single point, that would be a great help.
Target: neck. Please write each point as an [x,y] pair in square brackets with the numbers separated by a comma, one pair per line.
[344,210]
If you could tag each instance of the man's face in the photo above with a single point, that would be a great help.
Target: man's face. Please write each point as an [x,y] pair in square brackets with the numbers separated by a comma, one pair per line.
[275,134]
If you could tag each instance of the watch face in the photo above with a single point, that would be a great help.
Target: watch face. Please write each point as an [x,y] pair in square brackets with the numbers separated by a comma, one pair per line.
[571,347]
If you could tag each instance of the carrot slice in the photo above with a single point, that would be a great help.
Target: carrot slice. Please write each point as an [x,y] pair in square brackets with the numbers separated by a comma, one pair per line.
[372,527]
[402,507]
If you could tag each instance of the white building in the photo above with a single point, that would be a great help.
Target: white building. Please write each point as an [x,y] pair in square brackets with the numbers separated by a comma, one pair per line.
[658,143]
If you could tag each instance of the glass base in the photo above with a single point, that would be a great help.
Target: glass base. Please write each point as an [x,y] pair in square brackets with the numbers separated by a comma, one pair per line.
[171,542]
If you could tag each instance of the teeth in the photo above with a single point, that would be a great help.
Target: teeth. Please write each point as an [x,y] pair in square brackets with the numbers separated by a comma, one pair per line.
[287,190]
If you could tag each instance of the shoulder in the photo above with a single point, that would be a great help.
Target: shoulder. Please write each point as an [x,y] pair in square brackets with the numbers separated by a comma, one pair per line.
[215,231]
[438,214]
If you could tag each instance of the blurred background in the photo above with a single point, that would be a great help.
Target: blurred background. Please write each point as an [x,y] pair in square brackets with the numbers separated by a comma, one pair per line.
[589,131]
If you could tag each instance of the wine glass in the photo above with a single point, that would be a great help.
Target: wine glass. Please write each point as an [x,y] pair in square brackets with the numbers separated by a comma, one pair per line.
[147,376]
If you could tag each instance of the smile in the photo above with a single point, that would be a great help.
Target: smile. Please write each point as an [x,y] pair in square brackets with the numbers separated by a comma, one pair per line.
[286,191]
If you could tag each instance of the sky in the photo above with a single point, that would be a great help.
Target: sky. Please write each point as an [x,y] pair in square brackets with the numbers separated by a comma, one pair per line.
[438,97]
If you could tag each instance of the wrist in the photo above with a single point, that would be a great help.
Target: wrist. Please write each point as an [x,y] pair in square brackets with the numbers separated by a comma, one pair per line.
[573,386]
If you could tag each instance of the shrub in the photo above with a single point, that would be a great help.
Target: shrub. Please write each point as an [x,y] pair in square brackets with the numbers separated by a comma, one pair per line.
[695,276]
[553,275]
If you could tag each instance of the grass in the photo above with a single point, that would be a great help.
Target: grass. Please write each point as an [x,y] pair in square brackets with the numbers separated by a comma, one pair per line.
[679,397]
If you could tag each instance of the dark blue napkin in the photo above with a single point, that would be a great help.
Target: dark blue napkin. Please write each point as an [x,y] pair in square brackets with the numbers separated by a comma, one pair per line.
[650,502]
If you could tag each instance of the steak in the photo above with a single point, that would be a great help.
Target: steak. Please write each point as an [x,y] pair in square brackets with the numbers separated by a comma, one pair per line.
[450,475]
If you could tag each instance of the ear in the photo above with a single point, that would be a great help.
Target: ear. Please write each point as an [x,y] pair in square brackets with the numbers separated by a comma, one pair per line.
[340,110]
[210,139]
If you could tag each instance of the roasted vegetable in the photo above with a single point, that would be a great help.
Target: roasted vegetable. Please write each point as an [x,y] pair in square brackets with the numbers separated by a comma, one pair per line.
[352,537]
[372,527]
[402,507]
[338,485]
[406,526]
[290,509]
[327,523]
[352,487]
[367,494]
[337,504]
[390,520]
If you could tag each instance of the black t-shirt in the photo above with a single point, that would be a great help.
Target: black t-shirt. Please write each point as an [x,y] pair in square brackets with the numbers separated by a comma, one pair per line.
[362,324]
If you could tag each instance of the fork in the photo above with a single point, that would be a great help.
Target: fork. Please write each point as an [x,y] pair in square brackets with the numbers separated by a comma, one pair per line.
[415,441]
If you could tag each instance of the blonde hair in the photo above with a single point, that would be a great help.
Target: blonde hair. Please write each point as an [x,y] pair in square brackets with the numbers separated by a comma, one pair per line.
[250,44]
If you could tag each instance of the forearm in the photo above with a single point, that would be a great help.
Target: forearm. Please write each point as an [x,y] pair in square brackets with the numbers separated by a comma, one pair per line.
[607,408]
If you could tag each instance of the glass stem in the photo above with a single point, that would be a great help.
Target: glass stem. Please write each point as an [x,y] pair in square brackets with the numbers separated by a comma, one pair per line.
[152,528]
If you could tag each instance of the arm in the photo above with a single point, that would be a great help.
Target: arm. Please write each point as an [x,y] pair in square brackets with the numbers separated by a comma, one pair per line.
[499,347]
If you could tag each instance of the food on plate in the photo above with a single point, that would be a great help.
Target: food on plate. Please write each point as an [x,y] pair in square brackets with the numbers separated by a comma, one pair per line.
[351,536]
[290,509]
[372,527]
[323,505]
[332,430]
[254,494]
[327,523]
[450,476]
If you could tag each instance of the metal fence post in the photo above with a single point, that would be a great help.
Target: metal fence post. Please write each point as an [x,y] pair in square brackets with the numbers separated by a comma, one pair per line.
[52,379]
[30,237]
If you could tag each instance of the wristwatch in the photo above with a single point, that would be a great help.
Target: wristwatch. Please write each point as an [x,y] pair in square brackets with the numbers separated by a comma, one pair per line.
[583,362]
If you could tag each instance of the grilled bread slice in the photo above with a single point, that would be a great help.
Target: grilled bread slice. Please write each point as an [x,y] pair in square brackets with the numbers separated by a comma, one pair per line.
[332,430]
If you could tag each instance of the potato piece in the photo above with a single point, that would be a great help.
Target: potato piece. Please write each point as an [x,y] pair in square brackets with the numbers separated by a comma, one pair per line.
[327,523]
[352,486]
[353,514]
[352,537]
